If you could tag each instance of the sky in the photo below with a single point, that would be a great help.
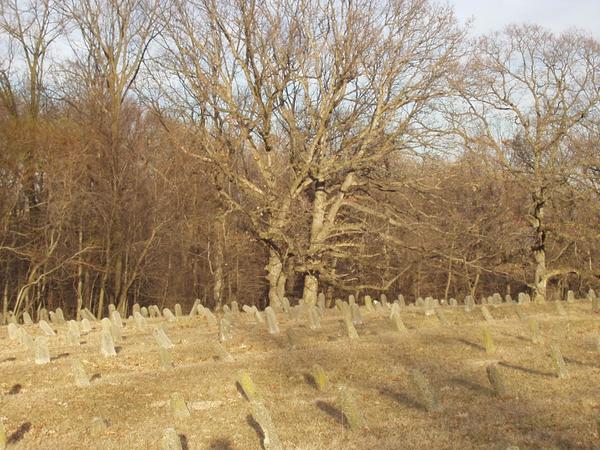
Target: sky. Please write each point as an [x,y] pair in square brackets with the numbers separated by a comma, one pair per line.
[558,15]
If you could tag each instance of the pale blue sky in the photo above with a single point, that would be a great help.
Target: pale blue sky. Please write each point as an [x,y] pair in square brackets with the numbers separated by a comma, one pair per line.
[558,15]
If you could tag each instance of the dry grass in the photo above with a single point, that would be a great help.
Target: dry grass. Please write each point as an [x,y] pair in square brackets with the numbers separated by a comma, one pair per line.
[42,409]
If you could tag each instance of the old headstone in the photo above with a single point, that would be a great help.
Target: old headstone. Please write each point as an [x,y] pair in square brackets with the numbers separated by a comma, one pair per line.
[559,362]
[350,329]
[272,320]
[27,319]
[224,330]
[401,300]
[320,378]
[178,406]
[165,358]
[171,440]
[497,380]
[442,317]
[369,303]
[81,378]
[43,315]
[398,323]
[356,315]
[350,408]
[248,386]
[221,352]
[422,390]
[46,328]
[140,321]
[60,317]
[144,312]
[178,310]
[508,299]
[26,340]
[73,333]
[570,297]
[161,338]
[42,354]
[486,314]
[314,321]
[13,331]
[169,315]
[262,416]
[488,341]
[86,326]
[107,344]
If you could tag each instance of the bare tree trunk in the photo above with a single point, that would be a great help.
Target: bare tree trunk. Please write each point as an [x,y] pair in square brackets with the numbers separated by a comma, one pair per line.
[539,247]
[217,262]
[274,270]
[311,280]
[80,273]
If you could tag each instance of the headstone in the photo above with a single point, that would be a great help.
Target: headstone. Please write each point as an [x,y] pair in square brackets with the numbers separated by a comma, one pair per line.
[140,321]
[165,358]
[398,323]
[109,326]
[452,302]
[86,326]
[27,319]
[351,300]
[43,315]
[383,300]
[559,362]
[178,406]
[401,300]
[248,386]
[350,408]
[285,304]
[136,308]
[258,317]
[442,317]
[534,327]
[422,390]
[169,315]
[488,341]
[314,321]
[81,378]
[42,354]
[171,440]
[46,328]
[350,330]
[356,315]
[469,303]
[320,378]
[107,344]
[508,299]
[321,300]
[144,312]
[486,314]
[13,331]
[369,303]
[116,320]
[111,309]
[178,310]
[497,380]
[235,308]
[225,330]
[221,352]
[26,340]
[261,416]
[73,333]
[570,297]
[60,317]
[271,320]
[161,338]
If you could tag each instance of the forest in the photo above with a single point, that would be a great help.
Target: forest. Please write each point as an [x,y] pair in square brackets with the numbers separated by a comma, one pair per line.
[162,151]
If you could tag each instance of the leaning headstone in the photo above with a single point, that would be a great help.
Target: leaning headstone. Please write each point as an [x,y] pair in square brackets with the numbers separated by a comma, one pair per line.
[109,326]
[73,333]
[285,304]
[42,354]
[258,317]
[262,416]
[81,378]
[107,344]
[369,303]
[26,340]
[350,408]
[27,319]
[526,299]
[235,308]
[570,297]
[534,327]
[497,380]
[46,328]
[224,330]
[171,440]
[272,320]
[488,341]
[398,323]
[169,315]
[116,320]
[422,390]
[248,386]
[161,338]
[140,321]
[178,407]
[221,352]
[13,331]
[178,310]
[356,315]
[211,319]
[442,317]
[351,300]
[350,329]
[165,358]
[559,362]
[486,314]
[320,378]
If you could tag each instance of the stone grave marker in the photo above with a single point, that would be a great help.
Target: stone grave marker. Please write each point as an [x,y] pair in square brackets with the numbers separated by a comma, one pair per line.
[81,378]
[107,344]
[42,353]
[46,328]
[161,338]
[423,391]
[272,323]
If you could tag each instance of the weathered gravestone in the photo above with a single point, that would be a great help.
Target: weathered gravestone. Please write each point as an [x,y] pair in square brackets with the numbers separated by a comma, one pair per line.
[42,353]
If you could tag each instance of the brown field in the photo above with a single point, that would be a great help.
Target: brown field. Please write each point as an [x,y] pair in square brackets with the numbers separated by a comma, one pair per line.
[42,408]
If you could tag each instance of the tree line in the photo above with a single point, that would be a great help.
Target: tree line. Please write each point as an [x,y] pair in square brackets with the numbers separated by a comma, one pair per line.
[159,151]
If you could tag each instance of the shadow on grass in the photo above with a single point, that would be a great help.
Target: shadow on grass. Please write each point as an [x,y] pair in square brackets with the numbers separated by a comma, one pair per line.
[62,355]
[401,398]
[15,389]
[256,427]
[19,433]
[527,370]
[220,444]
[310,380]
[331,411]
[475,387]
[470,344]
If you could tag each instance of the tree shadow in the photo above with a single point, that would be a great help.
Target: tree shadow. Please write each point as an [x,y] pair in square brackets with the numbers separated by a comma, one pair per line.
[19,433]
[61,356]
[256,427]
[96,376]
[400,398]
[310,380]
[220,444]
[9,359]
[331,411]
[15,389]
[527,370]
[472,386]
[185,445]
[470,344]
[239,388]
